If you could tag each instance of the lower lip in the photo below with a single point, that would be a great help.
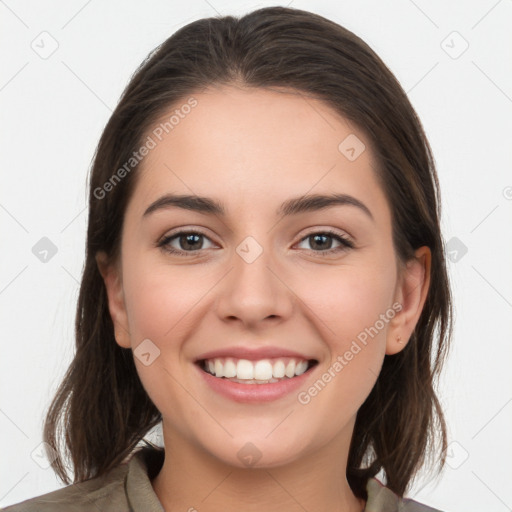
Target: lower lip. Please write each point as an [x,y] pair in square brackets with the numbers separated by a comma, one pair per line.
[254,392]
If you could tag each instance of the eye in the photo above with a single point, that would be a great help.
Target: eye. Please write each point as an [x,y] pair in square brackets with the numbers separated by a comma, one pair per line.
[184,242]
[322,242]
[189,243]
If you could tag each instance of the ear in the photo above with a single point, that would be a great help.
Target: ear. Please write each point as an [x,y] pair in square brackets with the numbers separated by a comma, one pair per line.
[111,274]
[411,294]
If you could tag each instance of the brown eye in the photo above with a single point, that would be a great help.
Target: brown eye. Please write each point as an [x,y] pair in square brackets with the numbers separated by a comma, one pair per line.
[323,242]
[184,242]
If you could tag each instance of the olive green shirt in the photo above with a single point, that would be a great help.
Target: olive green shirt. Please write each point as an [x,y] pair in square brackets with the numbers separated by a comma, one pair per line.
[127,488]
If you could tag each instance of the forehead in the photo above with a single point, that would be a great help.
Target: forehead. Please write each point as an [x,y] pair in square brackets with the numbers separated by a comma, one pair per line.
[246,144]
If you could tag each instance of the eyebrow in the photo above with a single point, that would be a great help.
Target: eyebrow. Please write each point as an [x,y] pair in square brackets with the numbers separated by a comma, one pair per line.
[207,205]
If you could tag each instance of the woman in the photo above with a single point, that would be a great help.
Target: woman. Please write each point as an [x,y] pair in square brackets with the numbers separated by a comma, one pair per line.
[264,275]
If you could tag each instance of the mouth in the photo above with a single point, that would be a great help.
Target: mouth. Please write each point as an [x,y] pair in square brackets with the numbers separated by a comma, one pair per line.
[263,371]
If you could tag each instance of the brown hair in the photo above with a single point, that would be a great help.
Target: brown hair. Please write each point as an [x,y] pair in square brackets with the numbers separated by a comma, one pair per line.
[101,411]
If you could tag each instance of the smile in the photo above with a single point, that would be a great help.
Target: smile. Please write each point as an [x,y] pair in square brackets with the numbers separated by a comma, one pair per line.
[263,371]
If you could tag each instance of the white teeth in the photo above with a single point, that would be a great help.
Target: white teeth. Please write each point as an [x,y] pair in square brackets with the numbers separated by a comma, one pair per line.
[244,369]
[278,369]
[262,371]
[301,367]
[218,368]
[229,368]
[290,369]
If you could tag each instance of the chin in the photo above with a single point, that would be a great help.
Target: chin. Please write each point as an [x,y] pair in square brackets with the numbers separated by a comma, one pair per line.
[257,451]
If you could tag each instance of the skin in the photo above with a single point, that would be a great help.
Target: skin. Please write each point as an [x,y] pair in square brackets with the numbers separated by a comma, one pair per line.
[252,149]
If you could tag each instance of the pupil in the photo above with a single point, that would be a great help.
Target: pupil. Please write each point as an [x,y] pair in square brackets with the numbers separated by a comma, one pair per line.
[189,241]
[317,237]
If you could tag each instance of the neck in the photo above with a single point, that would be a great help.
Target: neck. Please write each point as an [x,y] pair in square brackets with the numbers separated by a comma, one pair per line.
[193,480]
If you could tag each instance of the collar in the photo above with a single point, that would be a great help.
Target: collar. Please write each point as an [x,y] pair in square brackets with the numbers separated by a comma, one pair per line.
[147,462]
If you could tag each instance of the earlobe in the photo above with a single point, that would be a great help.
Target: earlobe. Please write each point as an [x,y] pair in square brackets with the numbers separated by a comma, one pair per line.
[113,284]
[395,345]
[411,294]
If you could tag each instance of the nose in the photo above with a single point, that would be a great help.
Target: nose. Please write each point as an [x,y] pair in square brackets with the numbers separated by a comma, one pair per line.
[254,291]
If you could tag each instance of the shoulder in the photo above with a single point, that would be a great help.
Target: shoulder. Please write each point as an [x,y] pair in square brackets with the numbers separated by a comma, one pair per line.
[79,496]
[111,492]
[382,499]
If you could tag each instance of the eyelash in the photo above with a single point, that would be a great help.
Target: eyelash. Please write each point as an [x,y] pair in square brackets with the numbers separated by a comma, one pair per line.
[343,240]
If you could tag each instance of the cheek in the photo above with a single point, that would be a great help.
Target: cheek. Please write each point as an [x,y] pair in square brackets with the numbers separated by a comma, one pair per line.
[159,299]
[353,306]
[162,304]
[353,312]
[349,301]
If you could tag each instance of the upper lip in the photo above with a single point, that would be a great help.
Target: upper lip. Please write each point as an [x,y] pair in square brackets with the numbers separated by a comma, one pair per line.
[252,354]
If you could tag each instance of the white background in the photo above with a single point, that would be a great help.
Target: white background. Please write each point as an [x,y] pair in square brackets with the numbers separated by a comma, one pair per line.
[53,112]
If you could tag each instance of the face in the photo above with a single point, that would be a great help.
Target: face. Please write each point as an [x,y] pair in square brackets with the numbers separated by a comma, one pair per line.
[256,273]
